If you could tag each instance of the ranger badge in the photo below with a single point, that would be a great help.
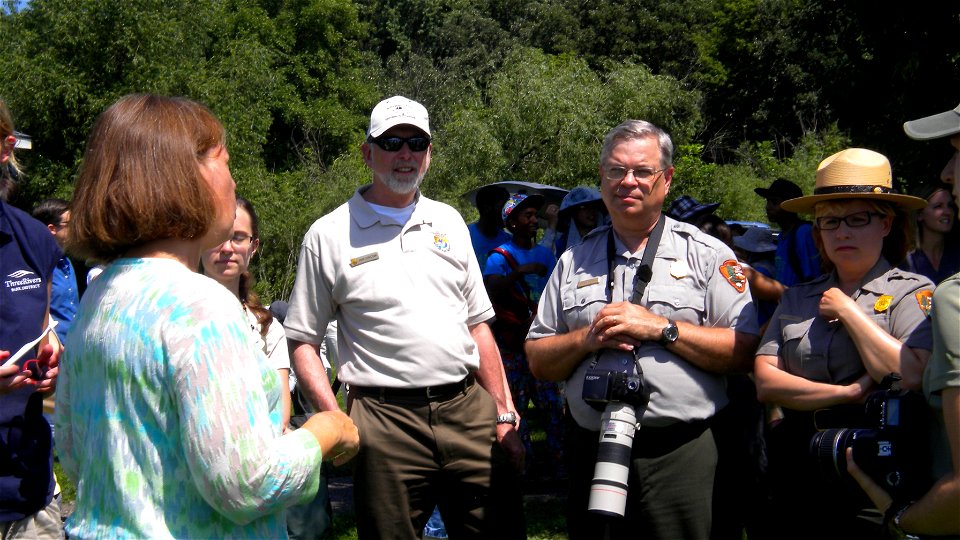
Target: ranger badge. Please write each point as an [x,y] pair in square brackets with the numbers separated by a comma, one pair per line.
[883,303]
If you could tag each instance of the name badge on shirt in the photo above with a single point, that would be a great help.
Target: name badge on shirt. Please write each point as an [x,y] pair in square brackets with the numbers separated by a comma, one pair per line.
[588,282]
[369,257]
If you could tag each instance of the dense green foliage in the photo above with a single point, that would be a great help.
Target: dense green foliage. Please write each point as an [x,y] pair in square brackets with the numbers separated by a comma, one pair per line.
[519,89]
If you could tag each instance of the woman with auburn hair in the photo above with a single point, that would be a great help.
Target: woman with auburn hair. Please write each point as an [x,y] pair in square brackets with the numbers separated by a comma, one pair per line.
[834,339]
[229,265]
[167,411]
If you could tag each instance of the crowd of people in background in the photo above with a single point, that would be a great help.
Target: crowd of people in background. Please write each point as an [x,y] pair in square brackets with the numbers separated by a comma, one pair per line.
[694,376]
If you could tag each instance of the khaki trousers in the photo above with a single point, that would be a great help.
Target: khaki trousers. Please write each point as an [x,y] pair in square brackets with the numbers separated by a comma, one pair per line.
[416,454]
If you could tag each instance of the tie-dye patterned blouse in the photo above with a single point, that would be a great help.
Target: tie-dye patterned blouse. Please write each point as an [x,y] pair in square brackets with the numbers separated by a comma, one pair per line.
[168,415]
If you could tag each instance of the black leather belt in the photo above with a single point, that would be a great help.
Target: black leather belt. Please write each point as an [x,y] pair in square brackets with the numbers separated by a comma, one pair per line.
[441,392]
[657,441]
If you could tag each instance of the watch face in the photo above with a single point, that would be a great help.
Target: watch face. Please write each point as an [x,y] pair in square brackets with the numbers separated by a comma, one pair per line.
[671,333]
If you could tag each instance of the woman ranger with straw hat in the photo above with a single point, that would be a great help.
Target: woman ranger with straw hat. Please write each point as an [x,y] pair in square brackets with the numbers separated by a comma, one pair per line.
[833,340]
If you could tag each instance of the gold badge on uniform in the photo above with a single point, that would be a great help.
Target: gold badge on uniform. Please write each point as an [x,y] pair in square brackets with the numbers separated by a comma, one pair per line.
[925,299]
[883,303]
[679,269]
[733,273]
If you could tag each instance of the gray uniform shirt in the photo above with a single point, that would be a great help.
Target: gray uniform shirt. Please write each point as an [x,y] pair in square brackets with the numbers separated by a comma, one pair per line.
[696,279]
[404,294]
[943,368]
[816,349]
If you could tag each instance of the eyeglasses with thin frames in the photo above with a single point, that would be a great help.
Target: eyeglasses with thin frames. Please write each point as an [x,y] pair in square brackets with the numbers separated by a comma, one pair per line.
[240,240]
[640,174]
[854,221]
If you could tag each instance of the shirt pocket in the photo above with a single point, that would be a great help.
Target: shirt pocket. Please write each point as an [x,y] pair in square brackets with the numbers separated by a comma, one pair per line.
[676,302]
[581,304]
[798,353]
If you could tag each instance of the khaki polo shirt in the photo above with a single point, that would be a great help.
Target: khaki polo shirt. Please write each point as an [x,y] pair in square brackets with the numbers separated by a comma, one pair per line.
[404,294]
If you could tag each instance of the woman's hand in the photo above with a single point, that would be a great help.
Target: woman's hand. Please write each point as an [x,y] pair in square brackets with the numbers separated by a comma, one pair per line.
[881,499]
[834,304]
[337,434]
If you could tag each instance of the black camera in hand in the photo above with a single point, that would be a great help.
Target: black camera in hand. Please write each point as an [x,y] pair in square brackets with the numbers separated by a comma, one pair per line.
[888,439]
[601,386]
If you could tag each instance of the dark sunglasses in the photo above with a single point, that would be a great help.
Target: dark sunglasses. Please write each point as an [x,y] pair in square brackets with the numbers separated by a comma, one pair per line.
[418,143]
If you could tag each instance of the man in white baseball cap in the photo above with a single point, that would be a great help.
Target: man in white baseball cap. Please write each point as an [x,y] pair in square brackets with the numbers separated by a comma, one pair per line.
[397,272]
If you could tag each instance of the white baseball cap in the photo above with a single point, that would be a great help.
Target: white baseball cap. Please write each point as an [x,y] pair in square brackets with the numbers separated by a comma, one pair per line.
[395,111]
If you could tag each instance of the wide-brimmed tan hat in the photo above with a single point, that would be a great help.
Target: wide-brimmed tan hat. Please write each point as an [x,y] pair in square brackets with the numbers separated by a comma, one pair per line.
[854,173]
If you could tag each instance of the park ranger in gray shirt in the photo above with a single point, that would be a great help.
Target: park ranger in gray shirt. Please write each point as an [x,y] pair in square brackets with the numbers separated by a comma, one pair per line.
[693,323]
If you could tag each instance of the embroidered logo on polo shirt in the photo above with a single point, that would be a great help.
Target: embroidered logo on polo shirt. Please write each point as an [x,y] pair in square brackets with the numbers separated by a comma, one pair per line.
[440,240]
[925,299]
[22,280]
[733,273]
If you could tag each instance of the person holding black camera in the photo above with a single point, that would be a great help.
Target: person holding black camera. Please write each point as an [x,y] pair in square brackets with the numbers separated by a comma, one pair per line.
[936,512]
[833,340]
[641,320]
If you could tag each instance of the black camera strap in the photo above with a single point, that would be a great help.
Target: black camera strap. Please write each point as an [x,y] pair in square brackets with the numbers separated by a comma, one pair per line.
[645,273]
[642,277]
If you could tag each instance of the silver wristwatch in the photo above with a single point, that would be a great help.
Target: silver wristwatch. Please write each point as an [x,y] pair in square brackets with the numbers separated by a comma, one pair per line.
[670,333]
[507,418]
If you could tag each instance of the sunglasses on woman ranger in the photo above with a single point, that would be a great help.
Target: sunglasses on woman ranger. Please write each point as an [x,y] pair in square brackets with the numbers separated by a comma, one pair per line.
[417,143]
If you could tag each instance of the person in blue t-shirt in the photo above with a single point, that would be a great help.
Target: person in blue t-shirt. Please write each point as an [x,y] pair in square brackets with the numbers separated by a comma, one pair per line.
[515,275]
[64,296]
[487,232]
[797,258]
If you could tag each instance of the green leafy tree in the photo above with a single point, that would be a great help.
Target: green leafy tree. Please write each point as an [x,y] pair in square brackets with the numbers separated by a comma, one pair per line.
[288,80]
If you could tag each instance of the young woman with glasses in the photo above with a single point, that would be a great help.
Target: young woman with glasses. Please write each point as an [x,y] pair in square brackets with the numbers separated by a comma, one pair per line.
[229,265]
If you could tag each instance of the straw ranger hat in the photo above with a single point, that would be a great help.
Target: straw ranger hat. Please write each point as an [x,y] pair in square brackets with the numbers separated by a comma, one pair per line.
[854,173]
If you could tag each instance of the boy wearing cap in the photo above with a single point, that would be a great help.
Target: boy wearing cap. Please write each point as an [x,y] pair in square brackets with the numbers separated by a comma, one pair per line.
[797,259]
[936,512]
[398,273]
[515,274]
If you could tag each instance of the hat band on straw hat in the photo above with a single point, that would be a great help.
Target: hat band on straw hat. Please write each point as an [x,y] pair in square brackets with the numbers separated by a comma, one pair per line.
[851,189]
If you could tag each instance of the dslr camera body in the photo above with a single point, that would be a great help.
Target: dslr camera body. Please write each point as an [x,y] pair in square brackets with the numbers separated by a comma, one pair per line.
[888,440]
[602,386]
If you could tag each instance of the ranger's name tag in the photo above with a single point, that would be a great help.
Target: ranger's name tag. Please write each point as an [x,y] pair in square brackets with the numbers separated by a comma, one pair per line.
[369,257]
